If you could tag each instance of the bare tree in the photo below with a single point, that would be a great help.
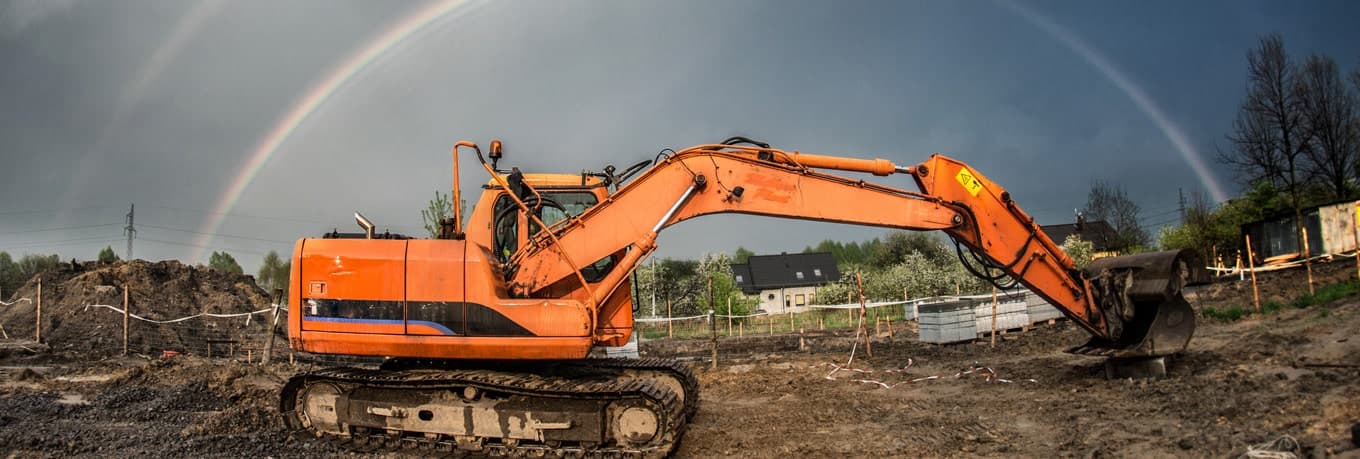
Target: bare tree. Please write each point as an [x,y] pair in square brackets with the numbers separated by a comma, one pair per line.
[1271,134]
[1109,203]
[1329,109]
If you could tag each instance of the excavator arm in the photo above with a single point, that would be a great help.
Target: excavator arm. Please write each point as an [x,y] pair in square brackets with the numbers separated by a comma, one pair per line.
[1122,303]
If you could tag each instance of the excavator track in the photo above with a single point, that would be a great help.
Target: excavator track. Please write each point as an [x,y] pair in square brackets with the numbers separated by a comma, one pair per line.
[595,408]
[678,376]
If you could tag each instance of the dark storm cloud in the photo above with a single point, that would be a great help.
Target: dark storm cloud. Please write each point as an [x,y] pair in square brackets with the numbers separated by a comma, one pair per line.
[575,85]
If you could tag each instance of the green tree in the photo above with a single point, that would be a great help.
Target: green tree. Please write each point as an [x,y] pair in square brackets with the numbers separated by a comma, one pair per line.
[741,255]
[1079,250]
[107,256]
[222,261]
[32,265]
[898,244]
[717,267]
[439,210]
[274,272]
[10,278]
[674,281]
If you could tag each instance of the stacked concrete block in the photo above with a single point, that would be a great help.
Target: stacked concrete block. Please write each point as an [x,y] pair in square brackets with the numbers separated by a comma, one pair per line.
[1040,310]
[947,322]
[1010,314]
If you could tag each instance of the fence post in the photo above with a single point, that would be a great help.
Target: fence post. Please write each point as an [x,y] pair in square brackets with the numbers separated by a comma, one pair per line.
[729,316]
[993,316]
[127,311]
[1355,231]
[769,320]
[713,335]
[37,329]
[890,329]
[670,326]
[1307,260]
[273,327]
[1251,265]
[868,347]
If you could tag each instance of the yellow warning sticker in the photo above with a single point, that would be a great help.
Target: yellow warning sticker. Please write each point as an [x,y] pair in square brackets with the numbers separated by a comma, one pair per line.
[969,182]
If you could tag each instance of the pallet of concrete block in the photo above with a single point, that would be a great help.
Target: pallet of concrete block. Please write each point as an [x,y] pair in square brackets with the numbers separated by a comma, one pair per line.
[1010,313]
[912,310]
[1040,310]
[947,322]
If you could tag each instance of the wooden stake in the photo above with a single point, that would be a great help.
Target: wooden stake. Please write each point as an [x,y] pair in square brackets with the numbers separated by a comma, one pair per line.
[1307,260]
[741,328]
[993,317]
[1251,265]
[670,327]
[890,329]
[802,344]
[713,332]
[37,330]
[729,316]
[791,327]
[273,327]
[868,346]
[127,311]
[821,324]
[712,324]
[769,320]
[1355,231]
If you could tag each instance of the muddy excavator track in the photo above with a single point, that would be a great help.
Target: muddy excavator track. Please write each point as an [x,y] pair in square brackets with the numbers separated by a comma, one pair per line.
[591,408]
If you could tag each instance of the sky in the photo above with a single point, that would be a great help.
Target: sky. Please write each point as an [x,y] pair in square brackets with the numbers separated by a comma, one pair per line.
[243,125]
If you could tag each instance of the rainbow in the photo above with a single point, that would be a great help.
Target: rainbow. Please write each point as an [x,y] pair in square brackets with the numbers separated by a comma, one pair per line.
[316,96]
[1135,93]
[185,28]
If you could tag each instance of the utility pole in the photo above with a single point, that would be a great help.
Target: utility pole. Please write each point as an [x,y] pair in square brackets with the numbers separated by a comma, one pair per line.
[129,230]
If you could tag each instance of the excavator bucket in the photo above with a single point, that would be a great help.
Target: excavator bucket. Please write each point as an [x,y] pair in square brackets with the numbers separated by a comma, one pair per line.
[1141,298]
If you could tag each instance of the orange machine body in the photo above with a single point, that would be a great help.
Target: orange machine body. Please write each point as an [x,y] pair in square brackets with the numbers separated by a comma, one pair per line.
[540,269]
[443,298]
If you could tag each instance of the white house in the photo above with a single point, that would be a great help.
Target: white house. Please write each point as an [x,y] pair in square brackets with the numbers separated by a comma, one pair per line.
[786,281]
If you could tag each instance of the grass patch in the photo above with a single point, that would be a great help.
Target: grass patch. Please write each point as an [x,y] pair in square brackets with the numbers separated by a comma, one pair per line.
[1323,295]
[1228,314]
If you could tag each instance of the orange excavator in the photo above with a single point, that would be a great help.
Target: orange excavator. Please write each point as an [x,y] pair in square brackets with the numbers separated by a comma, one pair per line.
[487,329]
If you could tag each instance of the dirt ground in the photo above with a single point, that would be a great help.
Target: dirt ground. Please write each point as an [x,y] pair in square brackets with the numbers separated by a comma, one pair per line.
[1243,383]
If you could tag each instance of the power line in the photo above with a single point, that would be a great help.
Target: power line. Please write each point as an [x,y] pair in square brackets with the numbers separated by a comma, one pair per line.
[167,228]
[50,211]
[62,228]
[58,242]
[185,244]
[232,214]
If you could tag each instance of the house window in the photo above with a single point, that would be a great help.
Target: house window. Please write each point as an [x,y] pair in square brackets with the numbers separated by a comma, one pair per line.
[771,297]
[817,272]
[739,278]
[800,299]
[799,274]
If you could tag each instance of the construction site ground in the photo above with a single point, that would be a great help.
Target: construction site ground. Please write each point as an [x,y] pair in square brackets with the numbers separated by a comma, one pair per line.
[1289,373]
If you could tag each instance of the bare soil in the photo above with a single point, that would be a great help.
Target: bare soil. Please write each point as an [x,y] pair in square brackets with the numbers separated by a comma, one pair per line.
[1241,383]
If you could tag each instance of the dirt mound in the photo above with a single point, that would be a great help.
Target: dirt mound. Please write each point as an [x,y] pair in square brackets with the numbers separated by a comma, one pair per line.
[74,323]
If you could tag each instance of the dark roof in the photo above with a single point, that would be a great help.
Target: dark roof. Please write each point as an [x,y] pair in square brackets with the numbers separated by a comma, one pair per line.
[762,272]
[1098,233]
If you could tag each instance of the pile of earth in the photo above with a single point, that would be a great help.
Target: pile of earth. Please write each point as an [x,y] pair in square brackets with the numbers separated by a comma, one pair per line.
[74,323]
